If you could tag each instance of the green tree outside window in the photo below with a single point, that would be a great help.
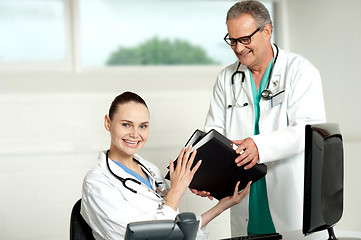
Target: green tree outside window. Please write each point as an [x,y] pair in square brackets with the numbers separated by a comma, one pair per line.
[160,52]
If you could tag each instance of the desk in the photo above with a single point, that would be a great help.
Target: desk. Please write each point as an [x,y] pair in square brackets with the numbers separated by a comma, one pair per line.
[323,235]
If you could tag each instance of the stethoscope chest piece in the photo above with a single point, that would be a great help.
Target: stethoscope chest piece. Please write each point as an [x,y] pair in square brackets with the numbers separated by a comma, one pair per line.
[267,94]
[162,191]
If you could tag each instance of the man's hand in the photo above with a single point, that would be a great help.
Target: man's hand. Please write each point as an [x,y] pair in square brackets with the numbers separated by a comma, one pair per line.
[249,156]
[201,193]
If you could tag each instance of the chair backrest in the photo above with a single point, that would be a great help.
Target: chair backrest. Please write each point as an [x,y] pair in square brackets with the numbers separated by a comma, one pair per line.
[79,229]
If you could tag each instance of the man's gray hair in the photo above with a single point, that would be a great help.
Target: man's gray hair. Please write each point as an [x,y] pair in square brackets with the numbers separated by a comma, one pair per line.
[254,8]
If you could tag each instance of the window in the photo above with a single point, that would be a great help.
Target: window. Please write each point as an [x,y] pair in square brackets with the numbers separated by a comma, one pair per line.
[32,31]
[142,26]
[90,31]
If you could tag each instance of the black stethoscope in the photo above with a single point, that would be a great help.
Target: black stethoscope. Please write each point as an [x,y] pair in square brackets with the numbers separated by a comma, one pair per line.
[266,94]
[160,191]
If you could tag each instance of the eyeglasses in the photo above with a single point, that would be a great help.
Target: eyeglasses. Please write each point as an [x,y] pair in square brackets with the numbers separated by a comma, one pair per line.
[243,40]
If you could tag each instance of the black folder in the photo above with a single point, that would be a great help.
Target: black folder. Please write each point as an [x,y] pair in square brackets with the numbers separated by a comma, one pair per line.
[218,173]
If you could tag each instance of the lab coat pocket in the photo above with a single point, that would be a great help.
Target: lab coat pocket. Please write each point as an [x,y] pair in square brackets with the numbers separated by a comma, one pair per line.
[278,98]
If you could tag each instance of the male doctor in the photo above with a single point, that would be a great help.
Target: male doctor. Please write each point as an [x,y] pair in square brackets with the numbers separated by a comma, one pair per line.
[264,108]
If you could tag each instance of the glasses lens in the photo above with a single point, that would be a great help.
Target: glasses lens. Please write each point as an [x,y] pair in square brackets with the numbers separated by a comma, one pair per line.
[245,40]
[232,42]
[229,41]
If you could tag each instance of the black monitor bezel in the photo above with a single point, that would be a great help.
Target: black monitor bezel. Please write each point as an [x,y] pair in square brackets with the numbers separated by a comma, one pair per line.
[314,133]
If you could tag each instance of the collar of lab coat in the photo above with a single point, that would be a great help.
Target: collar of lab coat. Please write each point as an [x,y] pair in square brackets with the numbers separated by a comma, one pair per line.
[121,173]
[276,83]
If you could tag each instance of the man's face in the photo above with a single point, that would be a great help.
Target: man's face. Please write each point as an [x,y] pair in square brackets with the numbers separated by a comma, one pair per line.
[252,54]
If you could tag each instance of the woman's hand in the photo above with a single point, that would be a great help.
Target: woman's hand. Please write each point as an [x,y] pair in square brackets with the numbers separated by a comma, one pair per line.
[225,203]
[181,176]
[236,198]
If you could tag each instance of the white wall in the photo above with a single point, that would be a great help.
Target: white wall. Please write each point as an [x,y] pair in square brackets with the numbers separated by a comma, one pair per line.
[51,123]
[328,32]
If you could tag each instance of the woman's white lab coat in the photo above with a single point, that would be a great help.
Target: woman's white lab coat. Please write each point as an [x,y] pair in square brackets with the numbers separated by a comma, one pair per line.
[107,206]
[281,139]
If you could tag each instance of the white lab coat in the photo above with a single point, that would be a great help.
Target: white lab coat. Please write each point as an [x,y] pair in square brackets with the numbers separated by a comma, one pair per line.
[107,206]
[281,139]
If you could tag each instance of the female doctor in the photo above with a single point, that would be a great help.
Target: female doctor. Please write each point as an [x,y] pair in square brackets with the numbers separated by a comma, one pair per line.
[125,188]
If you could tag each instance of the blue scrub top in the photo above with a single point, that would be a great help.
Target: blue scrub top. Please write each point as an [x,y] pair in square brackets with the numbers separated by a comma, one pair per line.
[136,175]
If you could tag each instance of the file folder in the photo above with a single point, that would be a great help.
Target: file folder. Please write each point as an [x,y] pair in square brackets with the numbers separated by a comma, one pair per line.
[218,173]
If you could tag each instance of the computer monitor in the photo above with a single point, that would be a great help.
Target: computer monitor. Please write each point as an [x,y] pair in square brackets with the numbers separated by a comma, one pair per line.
[184,227]
[323,178]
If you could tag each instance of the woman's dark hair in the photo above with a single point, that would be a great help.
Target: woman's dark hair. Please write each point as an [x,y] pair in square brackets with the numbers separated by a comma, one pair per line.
[123,98]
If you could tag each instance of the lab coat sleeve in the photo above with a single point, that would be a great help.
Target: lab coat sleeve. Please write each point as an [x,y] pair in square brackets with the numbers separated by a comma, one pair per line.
[305,105]
[108,212]
[216,114]
[203,233]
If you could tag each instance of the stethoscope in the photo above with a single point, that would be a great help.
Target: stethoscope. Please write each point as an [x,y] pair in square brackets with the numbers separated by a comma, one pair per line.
[158,194]
[266,94]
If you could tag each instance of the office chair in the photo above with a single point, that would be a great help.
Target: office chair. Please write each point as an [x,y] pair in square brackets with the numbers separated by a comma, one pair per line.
[79,229]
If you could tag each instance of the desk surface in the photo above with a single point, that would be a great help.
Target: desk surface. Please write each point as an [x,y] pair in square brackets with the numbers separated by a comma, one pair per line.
[323,235]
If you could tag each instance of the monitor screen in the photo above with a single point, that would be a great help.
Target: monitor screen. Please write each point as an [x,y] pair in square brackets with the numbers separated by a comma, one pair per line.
[323,178]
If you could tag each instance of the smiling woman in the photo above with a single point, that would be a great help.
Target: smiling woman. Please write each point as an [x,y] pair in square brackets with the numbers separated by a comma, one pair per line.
[125,188]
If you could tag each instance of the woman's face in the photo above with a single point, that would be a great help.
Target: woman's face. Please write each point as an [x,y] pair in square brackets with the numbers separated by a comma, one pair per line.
[129,128]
